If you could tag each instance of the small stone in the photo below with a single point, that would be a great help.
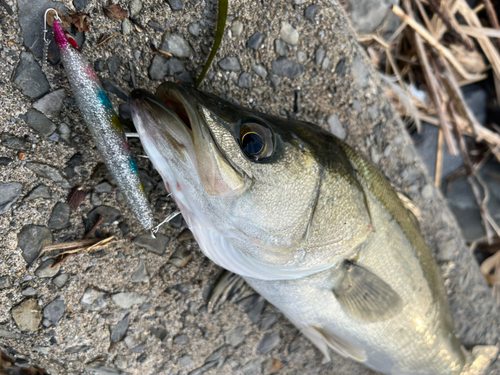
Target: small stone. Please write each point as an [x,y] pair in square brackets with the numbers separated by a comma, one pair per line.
[114,64]
[137,349]
[103,187]
[54,137]
[5,282]
[176,45]
[387,151]
[79,4]
[340,68]
[245,80]
[373,112]
[99,66]
[253,306]
[236,336]
[155,26]
[156,245]
[39,122]
[268,321]
[29,77]
[181,339]
[5,161]
[194,28]
[51,104]
[94,199]
[280,47]
[27,315]
[135,7]
[93,300]
[360,73]
[173,66]
[180,257]
[60,280]
[273,80]
[54,311]
[252,367]
[260,70]
[140,273]
[100,368]
[48,171]
[15,143]
[9,192]
[157,70]
[127,27]
[113,88]
[367,15]
[159,332]
[285,68]
[311,12]
[45,269]
[320,55]
[175,5]
[64,131]
[31,240]
[270,341]
[335,126]
[117,331]
[237,28]
[110,215]
[375,155]
[9,335]
[121,362]
[215,356]
[230,63]
[301,56]
[130,341]
[126,300]
[255,40]
[29,292]
[185,235]
[288,34]
[59,219]
[184,77]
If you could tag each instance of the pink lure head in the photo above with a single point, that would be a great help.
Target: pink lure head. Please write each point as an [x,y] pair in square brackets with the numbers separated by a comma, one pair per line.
[61,41]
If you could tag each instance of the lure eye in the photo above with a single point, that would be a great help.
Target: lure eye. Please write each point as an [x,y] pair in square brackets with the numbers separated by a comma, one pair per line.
[256,141]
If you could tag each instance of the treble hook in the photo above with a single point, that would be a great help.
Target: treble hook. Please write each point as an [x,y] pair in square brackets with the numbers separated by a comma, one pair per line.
[56,16]
[166,220]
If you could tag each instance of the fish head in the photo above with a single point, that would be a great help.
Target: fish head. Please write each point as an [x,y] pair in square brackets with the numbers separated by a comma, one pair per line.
[246,183]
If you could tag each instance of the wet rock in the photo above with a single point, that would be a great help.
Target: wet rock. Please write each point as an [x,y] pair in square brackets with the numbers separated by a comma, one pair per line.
[236,336]
[360,73]
[54,311]
[268,321]
[283,67]
[29,292]
[288,34]
[280,48]
[140,273]
[29,77]
[175,5]
[252,367]
[45,269]
[5,161]
[117,331]
[9,192]
[176,45]
[230,63]
[194,28]
[270,341]
[255,40]
[260,70]
[156,245]
[15,143]
[237,28]
[245,80]
[181,339]
[48,171]
[93,300]
[127,299]
[51,104]
[114,64]
[367,15]
[59,219]
[253,306]
[335,126]
[31,240]
[27,315]
[110,215]
[5,282]
[127,27]
[113,88]
[80,4]
[311,12]
[60,280]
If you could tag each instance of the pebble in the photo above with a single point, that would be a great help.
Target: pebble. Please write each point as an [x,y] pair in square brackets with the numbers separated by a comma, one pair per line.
[252,367]
[15,143]
[427,192]
[375,155]
[9,335]
[285,68]
[245,80]
[280,47]
[367,15]
[113,88]
[159,332]
[79,4]
[268,321]
[29,77]
[156,245]
[288,34]
[60,280]
[5,161]
[110,215]
[75,160]
[127,299]
[180,257]
[161,67]
[114,64]
[137,349]
[340,67]
[155,26]
[175,5]
[216,355]
[117,331]
[255,40]
[194,28]
[31,240]
[336,127]
[301,56]
[127,26]
[325,64]
[140,273]
[173,66]
[360,73]
[103,187]
[135,7]
[230,63]
[51,104]
[48,171]
[269,341]
[260,70]
[176,45]
[9,192]
[59,219]
[36,120]
[54,311]
[5,282]
[27,315]
[320,55]
[100,368]
[237,28]
[93,300]
[274,81]
[95,200]
[121,362]
[236,336]
[185,235]
[64,131]
[184,77]
[181,339]
[311,12]
[45,269]
[253,306]
[29,292]
[99,66]
[54,137]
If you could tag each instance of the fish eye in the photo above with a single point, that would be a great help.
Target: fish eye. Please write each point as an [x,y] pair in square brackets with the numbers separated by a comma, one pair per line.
[256,141]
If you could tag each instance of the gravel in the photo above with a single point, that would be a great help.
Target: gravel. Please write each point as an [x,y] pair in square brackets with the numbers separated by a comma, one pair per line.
[288,34]
[9,192]
[311,12]
[39,122]
[360,73]
[16,143]
[237,28]
[59,219]
[245,80]
[280,48]
[54,311]
[140,273]
[93,300]
[45,269]
[255,40]
[230,63]
[285,68]
[27,315]
[31,239]
[61,280]
[269,341]
[194,28]
[176,45]
[118,331]
[51,104]
[114,64]
[29,77]
[260,70]
[175,5]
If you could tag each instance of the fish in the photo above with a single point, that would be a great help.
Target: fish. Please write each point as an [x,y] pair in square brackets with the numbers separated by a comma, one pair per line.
[104,126]
[310,225]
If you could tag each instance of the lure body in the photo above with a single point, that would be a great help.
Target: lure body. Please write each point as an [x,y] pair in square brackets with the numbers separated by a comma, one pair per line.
[105,127]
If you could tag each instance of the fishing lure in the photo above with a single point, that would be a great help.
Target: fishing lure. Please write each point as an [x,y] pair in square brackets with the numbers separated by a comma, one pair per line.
[105,127]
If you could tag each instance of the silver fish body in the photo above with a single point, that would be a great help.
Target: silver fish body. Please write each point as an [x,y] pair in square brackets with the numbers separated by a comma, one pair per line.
[309,224]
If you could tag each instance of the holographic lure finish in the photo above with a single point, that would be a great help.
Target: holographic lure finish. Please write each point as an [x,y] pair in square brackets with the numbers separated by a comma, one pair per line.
[105,127]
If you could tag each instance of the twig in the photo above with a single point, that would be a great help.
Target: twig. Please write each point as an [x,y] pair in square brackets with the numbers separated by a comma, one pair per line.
[492,17]
[100,218]
[438,169]
[69,245]
[163,52]
[375,37]
[65,255]
[108,38]
[480,32]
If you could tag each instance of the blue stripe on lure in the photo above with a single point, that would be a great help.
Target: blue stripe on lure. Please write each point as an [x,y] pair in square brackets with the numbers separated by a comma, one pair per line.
[105,128]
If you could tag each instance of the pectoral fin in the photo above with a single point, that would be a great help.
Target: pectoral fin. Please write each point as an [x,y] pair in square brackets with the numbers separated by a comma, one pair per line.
[227,287]
[365,296]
